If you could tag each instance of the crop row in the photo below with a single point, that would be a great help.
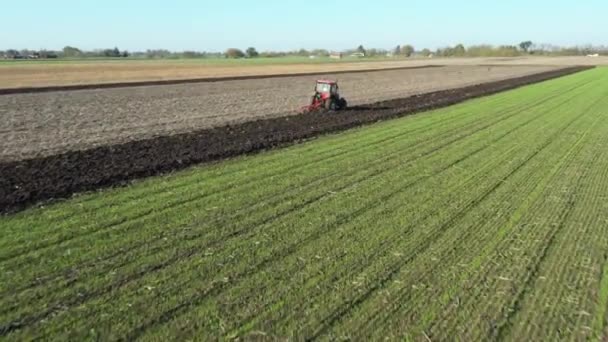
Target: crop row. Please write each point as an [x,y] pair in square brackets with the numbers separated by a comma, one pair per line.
[483,220]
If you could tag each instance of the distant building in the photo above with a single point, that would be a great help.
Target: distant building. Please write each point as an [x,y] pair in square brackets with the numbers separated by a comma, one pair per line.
[335,55]
[358,54]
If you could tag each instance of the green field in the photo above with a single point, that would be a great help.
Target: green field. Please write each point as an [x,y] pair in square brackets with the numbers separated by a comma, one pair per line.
[485,220]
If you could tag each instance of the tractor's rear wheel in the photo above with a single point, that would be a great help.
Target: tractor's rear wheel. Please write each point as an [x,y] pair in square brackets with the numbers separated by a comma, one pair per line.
[343,104]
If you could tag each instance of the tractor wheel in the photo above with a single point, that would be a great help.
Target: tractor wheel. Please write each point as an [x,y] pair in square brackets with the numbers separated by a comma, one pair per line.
[343,104]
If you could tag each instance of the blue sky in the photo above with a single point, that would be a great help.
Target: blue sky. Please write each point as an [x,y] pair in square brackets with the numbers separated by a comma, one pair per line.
[281,25]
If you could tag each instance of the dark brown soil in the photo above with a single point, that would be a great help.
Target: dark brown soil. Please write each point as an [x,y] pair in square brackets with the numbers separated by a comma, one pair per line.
[26,182]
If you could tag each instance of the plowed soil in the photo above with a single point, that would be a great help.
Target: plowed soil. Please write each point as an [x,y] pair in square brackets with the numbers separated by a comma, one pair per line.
[37,125]
[30,180]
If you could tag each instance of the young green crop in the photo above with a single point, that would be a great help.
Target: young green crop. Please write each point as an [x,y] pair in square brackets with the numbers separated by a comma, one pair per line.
[483,220]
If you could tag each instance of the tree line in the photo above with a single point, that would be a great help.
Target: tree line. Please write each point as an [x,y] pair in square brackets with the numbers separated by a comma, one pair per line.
[408,50]
[405,50]
[66,52]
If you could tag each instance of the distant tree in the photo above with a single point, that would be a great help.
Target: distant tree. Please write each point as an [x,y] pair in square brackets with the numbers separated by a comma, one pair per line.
[214,55]
[234,53]
[252,52]
[459,50]
[46,54]
[158,53]
[70,51]
[361,49]
[272,54]
[425,52]
[125,54]
[375,52]
[112,52]
[397,50]
[26,52]
[525,46]
[320,52]
[507,51]
[12,53]
[190,54]
[407,50]
[483,50]
[303,53]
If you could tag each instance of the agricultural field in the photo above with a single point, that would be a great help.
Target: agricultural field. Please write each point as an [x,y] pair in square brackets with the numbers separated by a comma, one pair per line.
[484,220]
[44,124]
[19,74]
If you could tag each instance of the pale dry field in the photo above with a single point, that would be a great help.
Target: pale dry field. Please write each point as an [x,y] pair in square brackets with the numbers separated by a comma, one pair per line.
[66,73]
[47,123]
[50,74]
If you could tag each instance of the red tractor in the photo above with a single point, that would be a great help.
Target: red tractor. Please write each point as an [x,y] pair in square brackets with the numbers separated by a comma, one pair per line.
[326,96]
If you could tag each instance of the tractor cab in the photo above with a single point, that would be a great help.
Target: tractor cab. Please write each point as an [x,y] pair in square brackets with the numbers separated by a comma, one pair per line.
[326,96]
[326,88]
